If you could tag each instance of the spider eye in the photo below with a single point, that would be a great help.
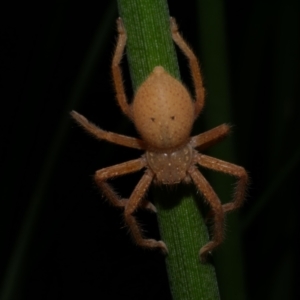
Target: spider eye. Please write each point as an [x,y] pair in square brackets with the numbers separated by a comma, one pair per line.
[173,118]
[153,119]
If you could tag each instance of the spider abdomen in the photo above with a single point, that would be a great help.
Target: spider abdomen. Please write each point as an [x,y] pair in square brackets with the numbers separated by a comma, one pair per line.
[163,111]
[170,167]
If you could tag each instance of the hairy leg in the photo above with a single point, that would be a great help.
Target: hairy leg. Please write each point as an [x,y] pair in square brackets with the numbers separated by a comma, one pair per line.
[117,72]
[118,170]
[194,66]
[231,169]
[131,207]
[117,201]
[217,212]
[210,137]
[106,135]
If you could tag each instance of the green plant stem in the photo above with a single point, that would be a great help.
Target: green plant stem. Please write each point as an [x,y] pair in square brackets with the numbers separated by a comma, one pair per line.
[181,225]
[218,110]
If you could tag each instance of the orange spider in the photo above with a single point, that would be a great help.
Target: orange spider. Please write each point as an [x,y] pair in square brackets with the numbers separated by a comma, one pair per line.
[163,113]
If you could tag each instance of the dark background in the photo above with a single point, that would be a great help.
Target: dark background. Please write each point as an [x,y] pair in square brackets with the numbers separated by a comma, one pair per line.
[60,238]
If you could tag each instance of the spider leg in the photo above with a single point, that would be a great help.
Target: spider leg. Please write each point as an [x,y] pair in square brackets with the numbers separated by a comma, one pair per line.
[117,72]
[118,170]
[210,137]
[217,211]
[194,66]
[106,135]
[228,168]
[133,203]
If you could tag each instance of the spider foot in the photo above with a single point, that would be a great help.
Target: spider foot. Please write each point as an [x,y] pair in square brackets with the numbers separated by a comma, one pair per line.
[205,252]
[122,203]
[120,26]
[163,247]
[174,26]
[151,243]
[149,206]
[78,117]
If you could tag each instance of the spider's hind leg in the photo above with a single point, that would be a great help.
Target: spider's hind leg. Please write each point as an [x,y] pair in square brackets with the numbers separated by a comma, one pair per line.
[131,207]
[217,212]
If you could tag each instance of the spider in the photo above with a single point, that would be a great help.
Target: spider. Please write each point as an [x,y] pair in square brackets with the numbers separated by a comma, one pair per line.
[163,113]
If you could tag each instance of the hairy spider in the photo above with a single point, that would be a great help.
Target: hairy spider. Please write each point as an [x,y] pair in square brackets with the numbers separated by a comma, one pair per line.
[163,113]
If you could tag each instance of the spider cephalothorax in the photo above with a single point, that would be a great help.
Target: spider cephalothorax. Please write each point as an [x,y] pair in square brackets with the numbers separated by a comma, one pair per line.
[163,113]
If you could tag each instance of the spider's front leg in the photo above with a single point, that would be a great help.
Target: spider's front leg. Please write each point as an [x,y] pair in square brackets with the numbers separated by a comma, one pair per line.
[217,212]
[117,72]
[194,66]
[104,174]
